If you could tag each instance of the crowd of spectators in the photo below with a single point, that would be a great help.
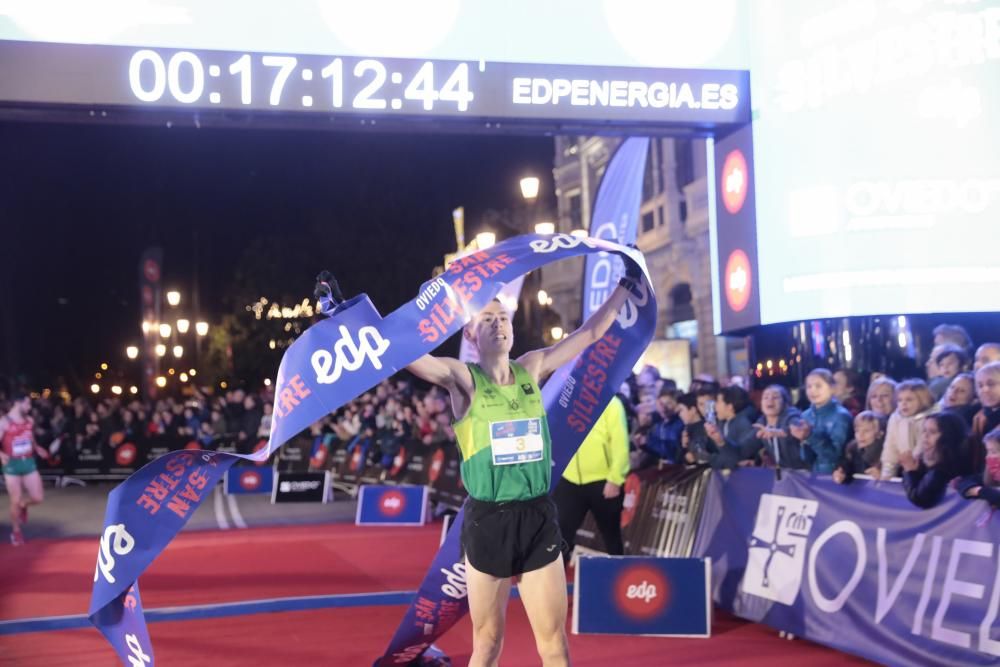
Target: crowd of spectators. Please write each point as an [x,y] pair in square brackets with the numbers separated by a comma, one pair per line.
[930,431]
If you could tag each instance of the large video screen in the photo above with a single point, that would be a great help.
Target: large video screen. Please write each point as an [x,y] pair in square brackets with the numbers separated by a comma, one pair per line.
[876,140]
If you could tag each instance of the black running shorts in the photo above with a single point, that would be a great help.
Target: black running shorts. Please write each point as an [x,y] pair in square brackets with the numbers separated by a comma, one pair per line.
[508,539]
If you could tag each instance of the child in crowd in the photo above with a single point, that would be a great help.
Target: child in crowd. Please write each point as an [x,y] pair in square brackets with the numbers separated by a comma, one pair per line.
[847,389]
[960,397]
[903,431]
[949,360]
[926,477]
[986,354]
[987,486]
[694,440]
[881,396]
[774,446]
[864,453]
[733,431]
[988,391]
[825,426]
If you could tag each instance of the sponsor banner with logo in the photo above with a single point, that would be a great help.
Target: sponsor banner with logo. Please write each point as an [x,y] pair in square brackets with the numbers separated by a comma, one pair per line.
[331,363]
[736,289]
[636,595]
[858,567]
[574,397]
[249,479]
[391,506]
[302,487]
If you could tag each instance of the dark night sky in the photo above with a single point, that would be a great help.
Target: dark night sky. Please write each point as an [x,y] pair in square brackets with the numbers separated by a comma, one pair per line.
[80,203]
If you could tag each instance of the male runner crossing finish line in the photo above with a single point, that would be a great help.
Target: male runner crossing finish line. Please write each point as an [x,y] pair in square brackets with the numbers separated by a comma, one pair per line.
[510,525]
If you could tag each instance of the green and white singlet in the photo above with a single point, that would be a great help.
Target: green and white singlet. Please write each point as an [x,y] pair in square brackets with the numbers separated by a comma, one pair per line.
[504,439]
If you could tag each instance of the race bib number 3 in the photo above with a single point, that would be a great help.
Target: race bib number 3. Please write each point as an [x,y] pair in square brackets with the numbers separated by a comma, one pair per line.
[517,441]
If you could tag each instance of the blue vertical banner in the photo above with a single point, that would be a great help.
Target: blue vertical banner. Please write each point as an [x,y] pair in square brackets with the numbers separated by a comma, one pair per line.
[858,567]
[615,218]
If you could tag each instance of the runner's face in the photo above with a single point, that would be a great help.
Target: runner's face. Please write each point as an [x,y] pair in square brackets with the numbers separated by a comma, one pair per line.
[494,332]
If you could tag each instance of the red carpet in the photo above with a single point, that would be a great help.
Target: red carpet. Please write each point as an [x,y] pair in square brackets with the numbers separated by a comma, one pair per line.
[51,578]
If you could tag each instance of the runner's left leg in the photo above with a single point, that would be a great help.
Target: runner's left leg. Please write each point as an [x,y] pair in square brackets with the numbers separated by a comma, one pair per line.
[543,592]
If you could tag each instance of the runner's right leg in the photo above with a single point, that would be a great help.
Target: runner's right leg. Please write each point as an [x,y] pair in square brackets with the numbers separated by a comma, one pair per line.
[488,598]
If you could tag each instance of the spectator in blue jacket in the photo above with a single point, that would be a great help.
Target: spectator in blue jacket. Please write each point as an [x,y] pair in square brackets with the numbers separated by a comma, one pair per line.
[663,441]
[825,427]
[733,432]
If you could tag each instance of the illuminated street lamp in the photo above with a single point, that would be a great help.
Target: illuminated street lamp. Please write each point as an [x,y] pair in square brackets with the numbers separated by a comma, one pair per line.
[183,326]
[132,352]
[96,388]
[133,390]
[178,351]
[161,349]
[579,233]
[161,382]
[165,331]
[146,326]
[116,390]
[529,187]
[485,240]
[557,333]
[543,297]
[174,298]
[201,328]
[545,228]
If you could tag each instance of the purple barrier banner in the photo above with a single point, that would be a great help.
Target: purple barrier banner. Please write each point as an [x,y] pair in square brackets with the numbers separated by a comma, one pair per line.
[856,567]
[332,362]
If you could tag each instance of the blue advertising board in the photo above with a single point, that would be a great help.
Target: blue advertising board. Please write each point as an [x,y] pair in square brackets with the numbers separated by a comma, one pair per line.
[249,479]
[392,506]
[639,595]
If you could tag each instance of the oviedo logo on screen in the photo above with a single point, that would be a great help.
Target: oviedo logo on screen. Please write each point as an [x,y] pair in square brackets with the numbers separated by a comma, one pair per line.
[250,480]
[392,503]
[641,592]
[735,181]
[738,280]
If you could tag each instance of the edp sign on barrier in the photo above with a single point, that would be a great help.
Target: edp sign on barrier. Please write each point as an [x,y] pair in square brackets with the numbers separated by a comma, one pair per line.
[391,505]
[635,595]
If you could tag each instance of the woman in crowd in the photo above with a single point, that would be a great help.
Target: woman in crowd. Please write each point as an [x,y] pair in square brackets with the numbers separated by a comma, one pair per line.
[773,445]
[926,476]
[825,426]
[881,397]
[863,454]
[914,403]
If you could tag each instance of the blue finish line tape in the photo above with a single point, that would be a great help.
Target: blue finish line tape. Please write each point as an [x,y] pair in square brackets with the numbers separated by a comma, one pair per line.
[222,610]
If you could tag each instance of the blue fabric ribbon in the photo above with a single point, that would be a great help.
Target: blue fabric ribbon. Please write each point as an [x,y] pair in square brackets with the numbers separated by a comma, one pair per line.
[332,362]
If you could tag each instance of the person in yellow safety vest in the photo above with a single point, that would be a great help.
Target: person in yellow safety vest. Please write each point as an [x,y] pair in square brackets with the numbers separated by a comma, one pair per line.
[593,481]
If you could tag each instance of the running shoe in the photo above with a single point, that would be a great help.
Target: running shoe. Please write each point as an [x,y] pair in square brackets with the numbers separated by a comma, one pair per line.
[16,538]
